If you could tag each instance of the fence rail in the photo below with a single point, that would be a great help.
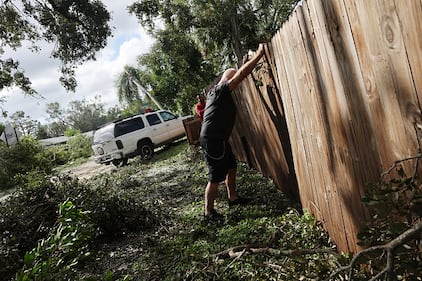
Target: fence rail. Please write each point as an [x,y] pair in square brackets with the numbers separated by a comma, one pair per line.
[335,102]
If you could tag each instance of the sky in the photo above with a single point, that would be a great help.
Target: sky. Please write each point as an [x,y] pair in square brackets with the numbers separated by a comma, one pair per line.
[94,78]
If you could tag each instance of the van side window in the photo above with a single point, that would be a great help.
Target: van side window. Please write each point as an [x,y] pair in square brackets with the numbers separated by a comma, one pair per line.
[153,119]
[128,126]
[167,116]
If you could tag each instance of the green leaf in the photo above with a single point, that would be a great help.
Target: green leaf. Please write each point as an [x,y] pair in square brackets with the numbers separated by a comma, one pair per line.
[108,275]
[28,258]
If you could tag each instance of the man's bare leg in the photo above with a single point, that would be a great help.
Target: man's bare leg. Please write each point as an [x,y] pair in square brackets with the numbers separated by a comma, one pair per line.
[211,193]
[231,184]
[234,199]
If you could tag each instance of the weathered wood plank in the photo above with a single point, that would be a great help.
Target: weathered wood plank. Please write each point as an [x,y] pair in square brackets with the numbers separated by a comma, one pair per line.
[389,87]
[326,145]
[410,19]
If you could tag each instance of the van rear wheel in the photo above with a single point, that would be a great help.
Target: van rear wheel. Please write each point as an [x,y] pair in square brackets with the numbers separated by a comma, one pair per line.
[145,150]
[125,161]
[116,162]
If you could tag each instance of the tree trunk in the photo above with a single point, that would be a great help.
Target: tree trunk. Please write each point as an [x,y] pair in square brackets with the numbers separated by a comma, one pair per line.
[237,46]
[143,90]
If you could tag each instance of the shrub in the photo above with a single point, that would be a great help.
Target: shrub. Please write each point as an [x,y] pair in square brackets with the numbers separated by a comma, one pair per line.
[30,214]
[79,146]
[57,257]
[58,154]
[395,206]
[116,207]
[72,132]
[25,217]
[26,156]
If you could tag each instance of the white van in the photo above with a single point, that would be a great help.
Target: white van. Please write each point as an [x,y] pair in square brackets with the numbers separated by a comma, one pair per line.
[120,140]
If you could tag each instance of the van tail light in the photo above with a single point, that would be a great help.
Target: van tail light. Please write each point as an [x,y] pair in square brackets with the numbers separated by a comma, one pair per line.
[119,144]
[100,150]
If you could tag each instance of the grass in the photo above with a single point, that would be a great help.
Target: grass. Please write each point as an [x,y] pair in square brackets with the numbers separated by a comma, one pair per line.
[182,247]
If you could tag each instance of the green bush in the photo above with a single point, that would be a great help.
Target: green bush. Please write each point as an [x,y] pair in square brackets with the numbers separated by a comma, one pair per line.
[58,256]
[58,154]
[79,146]
[30,213]
[25,217]
[72,132]
[116,207]
[26,156]
[395,205]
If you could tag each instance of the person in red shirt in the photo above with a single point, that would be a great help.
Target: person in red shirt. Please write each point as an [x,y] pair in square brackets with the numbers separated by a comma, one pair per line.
[200,106]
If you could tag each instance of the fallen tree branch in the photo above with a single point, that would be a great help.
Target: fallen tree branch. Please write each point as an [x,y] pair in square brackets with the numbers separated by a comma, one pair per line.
[388,249]
[397,162]
[237,251]
[412,233]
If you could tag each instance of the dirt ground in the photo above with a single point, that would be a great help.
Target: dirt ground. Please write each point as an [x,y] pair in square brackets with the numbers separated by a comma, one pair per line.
[89,169]
[83,171]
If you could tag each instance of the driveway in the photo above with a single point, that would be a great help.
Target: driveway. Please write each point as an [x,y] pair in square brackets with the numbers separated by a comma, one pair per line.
[89,169]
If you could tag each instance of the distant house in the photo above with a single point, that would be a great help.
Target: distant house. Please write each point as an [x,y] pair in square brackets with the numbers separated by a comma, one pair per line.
[61,139]
[54,141]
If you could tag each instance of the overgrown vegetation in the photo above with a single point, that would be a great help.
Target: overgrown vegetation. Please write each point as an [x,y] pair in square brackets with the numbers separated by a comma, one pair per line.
[26,156]
[29,156]
[392,239]
[144,222]
[58,256]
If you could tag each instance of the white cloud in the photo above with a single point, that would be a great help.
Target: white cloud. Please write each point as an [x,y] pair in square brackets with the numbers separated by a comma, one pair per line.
[94,78]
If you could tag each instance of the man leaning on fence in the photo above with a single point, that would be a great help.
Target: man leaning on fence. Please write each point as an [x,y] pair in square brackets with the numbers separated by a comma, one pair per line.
[217,125]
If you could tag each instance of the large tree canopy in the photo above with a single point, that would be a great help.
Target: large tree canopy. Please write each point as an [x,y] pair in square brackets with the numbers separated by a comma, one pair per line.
[228,28]
[195,39]
[77,29]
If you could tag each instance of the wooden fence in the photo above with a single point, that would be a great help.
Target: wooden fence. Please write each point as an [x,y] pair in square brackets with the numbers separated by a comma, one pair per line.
[335,102]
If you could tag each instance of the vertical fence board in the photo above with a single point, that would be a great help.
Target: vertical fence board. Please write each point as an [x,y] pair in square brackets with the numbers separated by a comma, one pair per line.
[409,15]
[259,141]
[410,18]
[389,84]
[315,133]
[304,172]
[329,116]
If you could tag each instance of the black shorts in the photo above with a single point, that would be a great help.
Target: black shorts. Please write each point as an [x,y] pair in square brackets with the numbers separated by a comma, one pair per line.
[219,157]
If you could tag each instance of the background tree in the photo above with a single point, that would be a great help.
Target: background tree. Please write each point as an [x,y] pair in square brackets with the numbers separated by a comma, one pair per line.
[78,29]
[86,116]
[127,92]
[198,39]
[132,92]
[57,116]
[56,113]
[56,129]
[24,123]
[113,113]
[175,70]
[79,115]
[42,132]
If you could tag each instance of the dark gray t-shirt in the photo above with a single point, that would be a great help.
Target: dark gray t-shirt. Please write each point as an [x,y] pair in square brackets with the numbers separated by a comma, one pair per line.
[220,113]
